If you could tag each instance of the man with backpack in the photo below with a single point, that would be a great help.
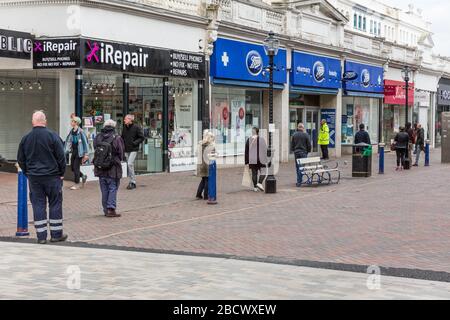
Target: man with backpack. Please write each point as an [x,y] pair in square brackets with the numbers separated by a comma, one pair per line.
[108,157]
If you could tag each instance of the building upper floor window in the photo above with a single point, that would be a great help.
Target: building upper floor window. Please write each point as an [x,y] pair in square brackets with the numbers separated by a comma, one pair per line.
[364,24]
[359,22]
[355,21]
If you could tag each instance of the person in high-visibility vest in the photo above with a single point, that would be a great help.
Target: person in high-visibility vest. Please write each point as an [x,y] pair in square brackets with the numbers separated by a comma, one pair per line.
[324,138]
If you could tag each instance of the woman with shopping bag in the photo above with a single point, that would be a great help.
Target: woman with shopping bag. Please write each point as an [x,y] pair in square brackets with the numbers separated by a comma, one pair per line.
[256,159]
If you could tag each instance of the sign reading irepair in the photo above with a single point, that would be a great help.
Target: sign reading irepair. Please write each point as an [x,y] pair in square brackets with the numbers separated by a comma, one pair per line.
[115,56]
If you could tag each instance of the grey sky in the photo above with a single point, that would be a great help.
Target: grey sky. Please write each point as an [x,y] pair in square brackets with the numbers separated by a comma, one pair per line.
[438,13]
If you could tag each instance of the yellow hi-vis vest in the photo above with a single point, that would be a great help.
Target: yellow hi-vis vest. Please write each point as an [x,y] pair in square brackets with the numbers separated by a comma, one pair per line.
[324,135]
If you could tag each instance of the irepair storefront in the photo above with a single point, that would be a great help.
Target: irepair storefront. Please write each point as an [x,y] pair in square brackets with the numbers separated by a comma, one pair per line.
[394,110]
[239,86]
[314,84]
[362,102]
[443,105]
[161,88]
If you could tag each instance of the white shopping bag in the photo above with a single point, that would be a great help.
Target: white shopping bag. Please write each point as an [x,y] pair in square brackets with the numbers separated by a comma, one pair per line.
[246,178]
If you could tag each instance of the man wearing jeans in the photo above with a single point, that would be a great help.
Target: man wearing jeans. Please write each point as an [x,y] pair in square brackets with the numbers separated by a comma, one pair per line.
[132,136]
[420,143]
[301,146]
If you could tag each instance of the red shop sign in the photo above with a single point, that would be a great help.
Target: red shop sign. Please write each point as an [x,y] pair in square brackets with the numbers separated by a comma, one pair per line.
[395,92]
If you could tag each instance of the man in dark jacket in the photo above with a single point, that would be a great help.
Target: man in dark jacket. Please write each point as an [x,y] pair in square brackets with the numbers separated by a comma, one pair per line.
[420,143]
[401,147]
[412,139]
[132,136]
[110,177]
[41,158]
[362,136]
[300,146]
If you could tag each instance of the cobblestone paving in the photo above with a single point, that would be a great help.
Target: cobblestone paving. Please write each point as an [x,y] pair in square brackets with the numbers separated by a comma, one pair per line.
[49,272]
[397,220]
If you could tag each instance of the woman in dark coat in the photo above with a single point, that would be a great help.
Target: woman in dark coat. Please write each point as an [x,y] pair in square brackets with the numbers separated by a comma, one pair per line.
[256,158]
[401,147]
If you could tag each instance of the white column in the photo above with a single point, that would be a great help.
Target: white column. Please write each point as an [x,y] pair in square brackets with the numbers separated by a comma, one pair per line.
[66,100]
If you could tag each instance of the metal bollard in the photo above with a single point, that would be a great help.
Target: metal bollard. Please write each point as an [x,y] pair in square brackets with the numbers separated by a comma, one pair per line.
[22,206]
[381,159]
[427,153]
[212,183]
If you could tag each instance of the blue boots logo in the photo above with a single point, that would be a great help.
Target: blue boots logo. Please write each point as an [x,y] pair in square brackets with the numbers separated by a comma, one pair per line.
[365,78]
[254,63]
[319,71]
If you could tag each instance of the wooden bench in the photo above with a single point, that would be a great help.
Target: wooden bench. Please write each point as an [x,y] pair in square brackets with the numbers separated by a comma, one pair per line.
[314,171]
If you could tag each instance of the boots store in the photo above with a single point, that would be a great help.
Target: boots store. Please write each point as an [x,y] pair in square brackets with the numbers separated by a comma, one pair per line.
[100,80]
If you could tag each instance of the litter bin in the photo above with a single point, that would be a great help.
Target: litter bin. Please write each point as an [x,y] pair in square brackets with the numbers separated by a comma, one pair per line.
[362,160]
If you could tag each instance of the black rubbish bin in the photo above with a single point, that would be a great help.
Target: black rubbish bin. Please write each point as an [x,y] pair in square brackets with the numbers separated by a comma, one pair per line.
[362,160]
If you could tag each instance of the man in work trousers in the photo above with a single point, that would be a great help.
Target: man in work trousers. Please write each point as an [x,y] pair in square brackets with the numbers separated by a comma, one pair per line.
[300,146]
[132,136]
[324,138]
[41,158]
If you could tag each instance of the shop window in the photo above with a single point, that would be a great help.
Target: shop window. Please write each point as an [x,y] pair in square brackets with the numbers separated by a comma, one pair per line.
[357,110]
[234,113]
[21,95]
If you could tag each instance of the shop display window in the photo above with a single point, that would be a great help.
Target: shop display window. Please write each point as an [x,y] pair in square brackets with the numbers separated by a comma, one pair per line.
[357,110]
[234,112]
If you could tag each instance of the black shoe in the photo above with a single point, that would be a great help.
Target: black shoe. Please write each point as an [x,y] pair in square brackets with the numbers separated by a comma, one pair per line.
[42,241]
[199,197]
[62,239]
[131,186]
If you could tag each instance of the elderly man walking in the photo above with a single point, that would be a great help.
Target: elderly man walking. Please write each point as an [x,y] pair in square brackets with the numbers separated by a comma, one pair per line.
[300,146]
[41,158]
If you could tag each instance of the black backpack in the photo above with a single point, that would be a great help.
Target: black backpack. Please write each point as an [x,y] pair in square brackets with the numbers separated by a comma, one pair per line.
[103,154]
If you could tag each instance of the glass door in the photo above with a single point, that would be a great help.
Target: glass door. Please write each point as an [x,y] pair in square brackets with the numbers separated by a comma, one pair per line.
[312,128]
[310,118]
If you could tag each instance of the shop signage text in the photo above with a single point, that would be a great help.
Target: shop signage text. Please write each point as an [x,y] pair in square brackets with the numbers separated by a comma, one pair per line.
[56,53]
[17,45]
[315,71]
[395,93]
[243,61]
[444,95]
[422,98]
[120,57]
[367,78]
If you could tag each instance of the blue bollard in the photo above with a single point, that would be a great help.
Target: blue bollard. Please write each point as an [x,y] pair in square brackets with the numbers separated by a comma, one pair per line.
[427,153]
[212,183]
[381,159]
[22,206]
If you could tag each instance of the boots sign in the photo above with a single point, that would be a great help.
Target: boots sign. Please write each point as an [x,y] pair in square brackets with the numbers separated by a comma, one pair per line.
[17,45]
[56,54]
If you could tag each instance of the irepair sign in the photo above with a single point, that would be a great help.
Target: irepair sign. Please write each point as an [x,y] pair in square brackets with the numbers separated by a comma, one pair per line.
[120,57]
[56,53]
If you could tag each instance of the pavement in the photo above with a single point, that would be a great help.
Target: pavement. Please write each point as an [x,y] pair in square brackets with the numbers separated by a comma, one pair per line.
[71,273]
[398,221]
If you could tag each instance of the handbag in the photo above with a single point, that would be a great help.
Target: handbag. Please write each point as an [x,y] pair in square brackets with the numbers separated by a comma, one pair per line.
[246,179]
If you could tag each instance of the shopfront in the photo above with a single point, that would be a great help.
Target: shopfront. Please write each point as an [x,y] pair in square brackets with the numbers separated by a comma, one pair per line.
[361,102]
[159,87]
[443,105]
[394,110]
[314,80]
[239,84]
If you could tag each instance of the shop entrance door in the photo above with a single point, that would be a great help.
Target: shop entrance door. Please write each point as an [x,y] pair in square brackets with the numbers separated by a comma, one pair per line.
[309,116]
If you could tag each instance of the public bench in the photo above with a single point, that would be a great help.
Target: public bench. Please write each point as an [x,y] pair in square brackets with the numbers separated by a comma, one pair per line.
[313,171]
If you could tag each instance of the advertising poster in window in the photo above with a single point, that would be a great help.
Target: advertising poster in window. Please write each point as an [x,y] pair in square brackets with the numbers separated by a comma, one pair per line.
[330,116]
[238,121]
[180,146]
[220,119]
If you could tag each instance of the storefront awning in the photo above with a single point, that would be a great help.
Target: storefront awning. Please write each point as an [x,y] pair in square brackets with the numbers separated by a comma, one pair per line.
[248,84]
[308,90]
[364,94]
